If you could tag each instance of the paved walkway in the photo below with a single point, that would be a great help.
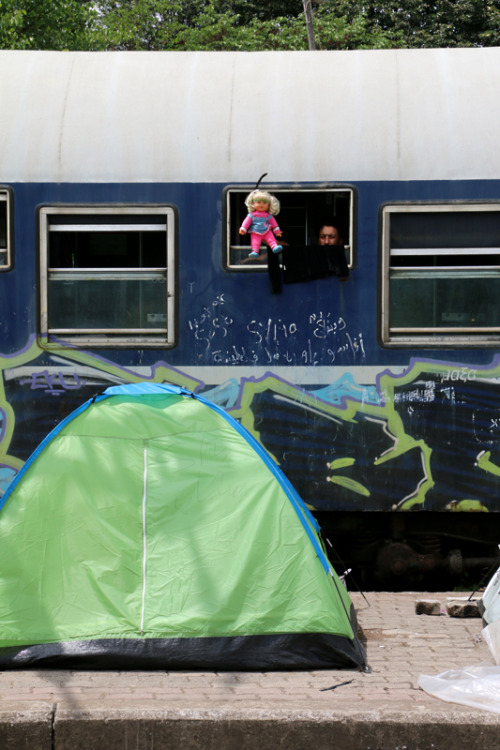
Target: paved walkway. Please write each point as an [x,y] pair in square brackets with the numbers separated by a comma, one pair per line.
[325,710]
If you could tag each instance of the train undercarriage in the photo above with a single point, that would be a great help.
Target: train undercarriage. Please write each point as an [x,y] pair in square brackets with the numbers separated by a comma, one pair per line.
[412,551]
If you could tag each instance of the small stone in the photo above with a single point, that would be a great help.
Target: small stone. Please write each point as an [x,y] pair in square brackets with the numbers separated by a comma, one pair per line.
[463,609]
[428,607]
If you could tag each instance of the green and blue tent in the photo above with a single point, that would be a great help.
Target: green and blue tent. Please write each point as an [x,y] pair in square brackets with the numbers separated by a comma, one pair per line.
[150,530]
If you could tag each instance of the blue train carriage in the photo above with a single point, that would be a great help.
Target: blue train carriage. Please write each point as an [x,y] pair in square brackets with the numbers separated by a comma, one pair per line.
[122,186]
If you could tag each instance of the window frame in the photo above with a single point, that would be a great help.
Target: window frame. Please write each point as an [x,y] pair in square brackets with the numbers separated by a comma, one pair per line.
[438,336]
[255,266]
[6,196]
[161,336]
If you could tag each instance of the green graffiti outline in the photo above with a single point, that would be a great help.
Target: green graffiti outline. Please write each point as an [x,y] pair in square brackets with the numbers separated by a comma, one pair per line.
[384,412]
[402,442]
[249,388]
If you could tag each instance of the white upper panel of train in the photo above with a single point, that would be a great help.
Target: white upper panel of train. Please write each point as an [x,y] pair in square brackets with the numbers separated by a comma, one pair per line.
[229,117]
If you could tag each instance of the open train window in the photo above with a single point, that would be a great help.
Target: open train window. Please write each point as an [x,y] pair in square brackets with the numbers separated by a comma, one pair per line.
[302,210]
[5,234]
[440,274]
[107,275]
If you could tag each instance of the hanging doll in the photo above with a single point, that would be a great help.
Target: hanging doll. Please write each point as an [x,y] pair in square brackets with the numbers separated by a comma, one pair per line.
[260,222]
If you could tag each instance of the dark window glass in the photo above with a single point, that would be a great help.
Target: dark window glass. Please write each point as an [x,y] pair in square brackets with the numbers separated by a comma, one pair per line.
[441,274]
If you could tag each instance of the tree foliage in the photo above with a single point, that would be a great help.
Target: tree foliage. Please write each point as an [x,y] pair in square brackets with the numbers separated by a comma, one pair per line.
[231,25]
[429,23]
[246,24]
[47,24]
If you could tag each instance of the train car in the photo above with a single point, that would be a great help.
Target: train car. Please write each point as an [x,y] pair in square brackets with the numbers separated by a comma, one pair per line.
[123,179]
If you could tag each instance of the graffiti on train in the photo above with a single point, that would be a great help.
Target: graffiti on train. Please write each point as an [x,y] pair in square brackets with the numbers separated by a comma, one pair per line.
[423,438]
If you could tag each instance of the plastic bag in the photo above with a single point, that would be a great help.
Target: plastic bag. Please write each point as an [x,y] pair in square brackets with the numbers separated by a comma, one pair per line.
[491,599]
[477,686]
[491,636]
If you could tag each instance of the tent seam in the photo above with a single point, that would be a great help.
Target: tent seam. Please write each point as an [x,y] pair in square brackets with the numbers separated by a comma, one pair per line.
[144,547]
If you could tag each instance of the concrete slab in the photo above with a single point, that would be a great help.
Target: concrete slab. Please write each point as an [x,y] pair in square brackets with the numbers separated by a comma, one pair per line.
[25,725]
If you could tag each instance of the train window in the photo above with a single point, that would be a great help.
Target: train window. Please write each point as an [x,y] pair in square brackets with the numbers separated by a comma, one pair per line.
[5,243]
[107,275]
[301,212]
[440,274]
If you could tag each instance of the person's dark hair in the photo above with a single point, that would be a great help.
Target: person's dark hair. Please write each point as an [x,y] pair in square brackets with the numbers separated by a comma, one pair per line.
[329,221]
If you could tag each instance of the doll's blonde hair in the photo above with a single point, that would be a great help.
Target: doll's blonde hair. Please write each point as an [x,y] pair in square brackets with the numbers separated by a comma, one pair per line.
[263,195]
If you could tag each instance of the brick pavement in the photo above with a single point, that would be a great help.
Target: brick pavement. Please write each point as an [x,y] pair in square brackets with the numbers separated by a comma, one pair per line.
[381,710]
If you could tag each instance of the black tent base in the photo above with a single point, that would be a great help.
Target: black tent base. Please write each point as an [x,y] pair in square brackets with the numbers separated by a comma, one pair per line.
[243,653]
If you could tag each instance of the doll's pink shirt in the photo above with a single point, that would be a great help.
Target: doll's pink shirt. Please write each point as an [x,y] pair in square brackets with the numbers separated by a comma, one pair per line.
[260,215]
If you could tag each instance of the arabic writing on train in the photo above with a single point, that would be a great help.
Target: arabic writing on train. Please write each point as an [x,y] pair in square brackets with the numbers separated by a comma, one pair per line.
[319,339]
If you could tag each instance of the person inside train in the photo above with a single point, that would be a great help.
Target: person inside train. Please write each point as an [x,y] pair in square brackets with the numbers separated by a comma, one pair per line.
[330,236]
